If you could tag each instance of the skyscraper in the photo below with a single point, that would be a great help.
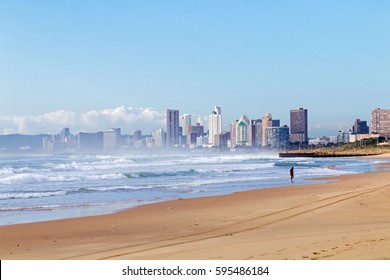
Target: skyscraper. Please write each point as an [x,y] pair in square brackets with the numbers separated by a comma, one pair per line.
[298,126]
[172,128]
[185,123]
[241,131]
[215,126]
[380,122]
[277,137]
[257,126]
[159,138]
[137,135]
[90,141]
[267,121]
[194,132]
[111,139]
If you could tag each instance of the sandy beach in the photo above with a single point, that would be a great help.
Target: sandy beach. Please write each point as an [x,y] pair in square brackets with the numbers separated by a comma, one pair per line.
[347,218]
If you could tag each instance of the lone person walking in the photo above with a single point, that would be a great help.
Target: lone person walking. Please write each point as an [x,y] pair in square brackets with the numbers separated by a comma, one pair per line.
[292,173]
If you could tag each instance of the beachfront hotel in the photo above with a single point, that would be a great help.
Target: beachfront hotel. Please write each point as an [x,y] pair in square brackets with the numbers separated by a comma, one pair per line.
[298,126]
[380,122]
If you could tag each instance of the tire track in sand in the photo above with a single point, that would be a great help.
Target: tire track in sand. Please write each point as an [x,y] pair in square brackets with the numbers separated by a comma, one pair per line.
[236,228]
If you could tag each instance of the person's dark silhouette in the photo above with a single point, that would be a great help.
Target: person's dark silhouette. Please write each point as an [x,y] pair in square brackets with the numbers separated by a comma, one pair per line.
[292,173]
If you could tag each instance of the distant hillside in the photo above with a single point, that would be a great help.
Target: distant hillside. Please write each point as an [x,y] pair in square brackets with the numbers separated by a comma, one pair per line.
[18,142]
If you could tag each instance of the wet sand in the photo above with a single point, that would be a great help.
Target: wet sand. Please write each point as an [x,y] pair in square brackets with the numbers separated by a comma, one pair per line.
[348,218]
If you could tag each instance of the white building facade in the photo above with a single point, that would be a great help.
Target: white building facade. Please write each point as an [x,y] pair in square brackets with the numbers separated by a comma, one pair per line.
[215,126]
[241,132]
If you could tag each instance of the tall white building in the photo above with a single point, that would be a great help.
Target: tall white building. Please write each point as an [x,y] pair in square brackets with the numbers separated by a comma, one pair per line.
[159,138]
[111,139]
[215,126]
[241,132]
[185,123]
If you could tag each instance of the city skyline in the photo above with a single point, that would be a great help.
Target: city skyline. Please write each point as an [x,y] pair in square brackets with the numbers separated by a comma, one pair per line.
[92,65]
[266,133]
[130,120]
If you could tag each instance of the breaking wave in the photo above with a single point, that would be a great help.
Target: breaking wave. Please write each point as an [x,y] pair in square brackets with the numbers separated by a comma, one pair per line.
[160,174]
[30,178]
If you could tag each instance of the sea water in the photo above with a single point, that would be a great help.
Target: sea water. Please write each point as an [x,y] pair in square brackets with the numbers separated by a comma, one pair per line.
[46,187]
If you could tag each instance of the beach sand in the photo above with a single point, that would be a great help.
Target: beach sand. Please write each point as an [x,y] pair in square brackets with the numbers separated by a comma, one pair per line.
[348,218]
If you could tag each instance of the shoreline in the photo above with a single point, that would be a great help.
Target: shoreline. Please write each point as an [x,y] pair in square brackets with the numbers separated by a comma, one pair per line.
[87,210]
[112,208]
[347,218]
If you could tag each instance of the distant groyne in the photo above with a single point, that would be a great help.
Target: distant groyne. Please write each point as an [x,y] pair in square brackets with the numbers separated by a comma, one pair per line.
[332,153]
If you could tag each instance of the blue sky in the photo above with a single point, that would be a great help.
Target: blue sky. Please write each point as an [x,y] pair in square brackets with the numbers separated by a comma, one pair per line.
[100,64]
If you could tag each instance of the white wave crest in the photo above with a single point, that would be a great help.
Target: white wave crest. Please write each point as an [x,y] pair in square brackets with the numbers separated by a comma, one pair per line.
[24,179]
[117,188]
[31,195]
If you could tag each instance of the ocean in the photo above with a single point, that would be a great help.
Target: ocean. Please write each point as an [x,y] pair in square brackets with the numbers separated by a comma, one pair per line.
[47,187]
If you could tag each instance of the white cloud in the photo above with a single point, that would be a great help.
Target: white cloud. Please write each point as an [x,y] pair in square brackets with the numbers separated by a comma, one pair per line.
[129,119]
[44,123]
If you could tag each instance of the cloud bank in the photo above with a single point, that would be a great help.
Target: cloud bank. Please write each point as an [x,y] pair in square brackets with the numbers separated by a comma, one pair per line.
[128,119]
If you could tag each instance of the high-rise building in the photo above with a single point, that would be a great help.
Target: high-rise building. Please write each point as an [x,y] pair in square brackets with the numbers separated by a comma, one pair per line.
[193,133]
[298,126]
[257,126]
[185,123]
[159,138]
[215,126]
[64,135]
[225,139]
[172,128]
[267,121]
[90,141]
[277,137]
[380,122]
[111,139]
[241,131]
[149,142]
[137,135]
[360,127]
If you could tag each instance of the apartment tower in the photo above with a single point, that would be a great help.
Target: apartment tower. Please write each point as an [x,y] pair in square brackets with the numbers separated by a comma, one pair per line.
[241,131]
[298,126]
[215,126]
[172,135]
[267,122]
[186,123]
[380,122]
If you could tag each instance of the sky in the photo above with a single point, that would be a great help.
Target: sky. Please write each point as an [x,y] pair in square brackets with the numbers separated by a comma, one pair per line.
[92,65]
